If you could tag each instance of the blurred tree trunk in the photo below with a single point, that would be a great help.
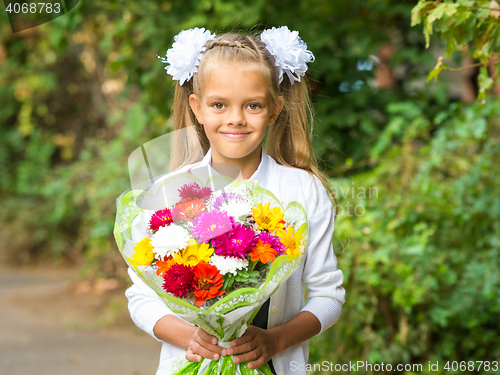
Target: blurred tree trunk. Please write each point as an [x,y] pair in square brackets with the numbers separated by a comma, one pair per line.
[494,74]
[468,87]
[383,71]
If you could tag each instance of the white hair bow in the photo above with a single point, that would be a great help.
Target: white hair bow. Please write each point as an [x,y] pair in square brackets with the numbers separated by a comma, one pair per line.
[290,52]
[186,53]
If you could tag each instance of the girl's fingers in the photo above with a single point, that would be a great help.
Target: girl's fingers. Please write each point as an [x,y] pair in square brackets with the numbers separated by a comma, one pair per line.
[205,336]
[190,356]
[259,362]
[200,339]
[248,336]
[243,348]
[214,349]
[250,356]
[204,352]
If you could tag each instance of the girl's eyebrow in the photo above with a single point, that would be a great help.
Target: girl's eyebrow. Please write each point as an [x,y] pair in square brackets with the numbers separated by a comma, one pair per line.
[210,98]
[255,98]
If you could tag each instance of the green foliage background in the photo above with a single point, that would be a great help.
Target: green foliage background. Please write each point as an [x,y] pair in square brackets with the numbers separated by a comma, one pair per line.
[80,93]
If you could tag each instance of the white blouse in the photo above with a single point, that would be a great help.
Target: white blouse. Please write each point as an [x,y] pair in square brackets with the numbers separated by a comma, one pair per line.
[318,271]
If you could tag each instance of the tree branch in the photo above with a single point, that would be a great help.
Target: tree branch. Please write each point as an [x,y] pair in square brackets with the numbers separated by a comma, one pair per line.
[345,168]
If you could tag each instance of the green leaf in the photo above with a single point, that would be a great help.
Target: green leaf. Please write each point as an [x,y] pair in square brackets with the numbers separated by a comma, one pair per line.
[451,46]
[418,11]
[485,82]
[434,73]
[437,13]
[440,117]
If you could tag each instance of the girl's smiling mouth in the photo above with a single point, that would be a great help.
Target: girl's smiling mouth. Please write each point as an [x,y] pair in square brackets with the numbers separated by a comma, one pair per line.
[235,135]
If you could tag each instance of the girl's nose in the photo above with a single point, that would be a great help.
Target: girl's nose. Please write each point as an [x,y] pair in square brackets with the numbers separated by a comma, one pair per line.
[236,116]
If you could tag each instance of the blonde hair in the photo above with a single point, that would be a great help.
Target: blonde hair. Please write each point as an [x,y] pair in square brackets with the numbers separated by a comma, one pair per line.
[288,140]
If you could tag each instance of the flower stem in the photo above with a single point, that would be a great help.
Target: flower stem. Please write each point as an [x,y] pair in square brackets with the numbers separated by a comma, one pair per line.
[252,266]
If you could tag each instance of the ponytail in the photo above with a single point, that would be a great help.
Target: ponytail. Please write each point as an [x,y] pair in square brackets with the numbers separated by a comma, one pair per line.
[188,143]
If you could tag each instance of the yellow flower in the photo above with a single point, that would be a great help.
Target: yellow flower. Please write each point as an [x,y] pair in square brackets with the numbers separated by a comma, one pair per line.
[194,253]
[291,240]
[268,218]
[293,253]
[143,252]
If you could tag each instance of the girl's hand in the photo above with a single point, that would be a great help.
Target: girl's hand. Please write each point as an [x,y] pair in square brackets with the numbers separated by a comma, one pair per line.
[259,346]
[202,345]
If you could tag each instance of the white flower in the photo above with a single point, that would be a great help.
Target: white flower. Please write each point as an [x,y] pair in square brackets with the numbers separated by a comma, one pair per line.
[289,50]
[186,52]
[228,264]
[168,240]
[237,208]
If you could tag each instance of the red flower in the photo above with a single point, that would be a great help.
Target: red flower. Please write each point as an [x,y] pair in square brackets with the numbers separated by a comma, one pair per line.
[179,280]
[193,190]
[207,282]
[188,210]
[160,218]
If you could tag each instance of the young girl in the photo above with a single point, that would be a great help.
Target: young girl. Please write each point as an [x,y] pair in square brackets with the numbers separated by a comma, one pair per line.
[235,89]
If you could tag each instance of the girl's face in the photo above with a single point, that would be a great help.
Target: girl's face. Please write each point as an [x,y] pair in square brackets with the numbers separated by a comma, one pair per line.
[235,110]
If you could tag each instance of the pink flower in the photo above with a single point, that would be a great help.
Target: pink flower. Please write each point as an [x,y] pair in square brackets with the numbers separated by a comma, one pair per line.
[193,190]
[268,238]
[160,218]
[236,243]
[208,225]
[179,280]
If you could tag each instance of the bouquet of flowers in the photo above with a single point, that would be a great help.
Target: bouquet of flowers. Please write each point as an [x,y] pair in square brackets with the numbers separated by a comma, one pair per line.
[213,256]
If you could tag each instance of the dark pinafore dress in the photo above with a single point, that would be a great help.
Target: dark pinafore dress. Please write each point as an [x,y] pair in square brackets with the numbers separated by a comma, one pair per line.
[260,320]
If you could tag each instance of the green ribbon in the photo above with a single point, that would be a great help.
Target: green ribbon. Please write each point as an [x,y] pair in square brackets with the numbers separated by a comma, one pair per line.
[223,366]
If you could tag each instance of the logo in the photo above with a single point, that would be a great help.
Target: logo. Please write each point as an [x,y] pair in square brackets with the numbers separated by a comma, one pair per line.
[25,14]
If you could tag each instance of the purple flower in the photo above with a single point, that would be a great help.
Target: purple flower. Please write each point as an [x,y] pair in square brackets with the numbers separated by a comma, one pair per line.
[236,243]
[193,190]
[273,241]
[208,225]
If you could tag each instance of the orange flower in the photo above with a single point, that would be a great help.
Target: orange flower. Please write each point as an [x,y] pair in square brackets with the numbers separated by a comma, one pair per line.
[188,210]
[164,266]
[207,282]
[263,252]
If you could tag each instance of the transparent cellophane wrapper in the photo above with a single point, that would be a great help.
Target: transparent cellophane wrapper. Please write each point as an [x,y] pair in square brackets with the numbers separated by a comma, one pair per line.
[227,316]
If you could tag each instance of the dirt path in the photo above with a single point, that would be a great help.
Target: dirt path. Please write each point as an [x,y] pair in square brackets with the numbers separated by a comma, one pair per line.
[51,325]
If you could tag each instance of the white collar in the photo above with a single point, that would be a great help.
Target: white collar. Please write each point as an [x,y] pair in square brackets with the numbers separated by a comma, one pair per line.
[260,175]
